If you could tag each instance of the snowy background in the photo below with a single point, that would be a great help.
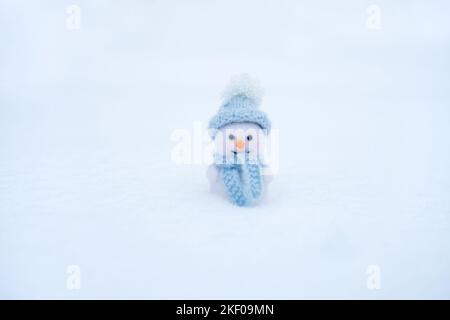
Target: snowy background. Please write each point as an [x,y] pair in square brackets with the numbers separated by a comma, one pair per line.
[86,176]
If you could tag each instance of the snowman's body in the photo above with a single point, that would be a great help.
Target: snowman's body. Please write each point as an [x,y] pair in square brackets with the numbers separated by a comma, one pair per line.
[239,140]
[217,187]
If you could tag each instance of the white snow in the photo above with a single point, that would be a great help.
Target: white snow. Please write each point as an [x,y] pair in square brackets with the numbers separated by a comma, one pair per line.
[86,176]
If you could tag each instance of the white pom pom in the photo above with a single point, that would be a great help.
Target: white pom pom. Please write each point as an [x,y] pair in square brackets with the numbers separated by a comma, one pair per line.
[243,85]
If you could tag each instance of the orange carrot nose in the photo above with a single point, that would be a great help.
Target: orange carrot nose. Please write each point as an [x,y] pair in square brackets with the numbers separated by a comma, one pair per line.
[240,144]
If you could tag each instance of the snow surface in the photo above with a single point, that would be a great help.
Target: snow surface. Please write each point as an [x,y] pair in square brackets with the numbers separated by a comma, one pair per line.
[86,176]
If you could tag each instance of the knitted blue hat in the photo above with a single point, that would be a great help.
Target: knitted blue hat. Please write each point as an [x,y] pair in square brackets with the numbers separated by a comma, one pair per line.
[240,104]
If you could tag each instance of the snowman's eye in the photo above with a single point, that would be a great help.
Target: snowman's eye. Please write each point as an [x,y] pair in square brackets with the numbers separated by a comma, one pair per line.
[231,137]
[249,137]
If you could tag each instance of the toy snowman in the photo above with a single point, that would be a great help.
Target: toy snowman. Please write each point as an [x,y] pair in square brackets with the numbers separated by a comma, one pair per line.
[239,132]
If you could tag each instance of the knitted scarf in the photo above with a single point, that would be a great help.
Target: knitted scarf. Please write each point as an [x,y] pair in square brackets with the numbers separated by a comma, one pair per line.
[242,180]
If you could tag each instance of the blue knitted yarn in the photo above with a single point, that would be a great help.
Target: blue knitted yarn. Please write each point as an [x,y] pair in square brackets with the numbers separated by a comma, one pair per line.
[242,182]
[254,173]
[237,110]
[231,178]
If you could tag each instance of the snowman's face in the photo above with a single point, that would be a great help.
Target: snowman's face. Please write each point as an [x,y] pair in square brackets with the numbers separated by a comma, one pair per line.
[239,139]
